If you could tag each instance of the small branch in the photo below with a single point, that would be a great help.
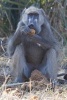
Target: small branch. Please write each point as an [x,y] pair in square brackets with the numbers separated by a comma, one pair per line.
[9,20]
[15,84]
[2,46]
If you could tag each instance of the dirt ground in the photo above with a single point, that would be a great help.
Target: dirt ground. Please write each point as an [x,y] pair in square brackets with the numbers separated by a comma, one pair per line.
[38,87]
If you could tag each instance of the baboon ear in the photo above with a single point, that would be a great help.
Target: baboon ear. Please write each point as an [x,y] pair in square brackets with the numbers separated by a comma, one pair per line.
[44,14]
[23,17]
[24,11]
[46,20]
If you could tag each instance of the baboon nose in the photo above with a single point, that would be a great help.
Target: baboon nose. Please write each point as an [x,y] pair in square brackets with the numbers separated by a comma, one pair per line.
[31,26]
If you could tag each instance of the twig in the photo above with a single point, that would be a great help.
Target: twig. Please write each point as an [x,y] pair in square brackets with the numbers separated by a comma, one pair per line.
[2,46]
[15,84]
[30,85]
[9,21]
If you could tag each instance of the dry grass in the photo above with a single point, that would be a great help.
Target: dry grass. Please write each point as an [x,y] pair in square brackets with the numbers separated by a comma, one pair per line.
[18,93]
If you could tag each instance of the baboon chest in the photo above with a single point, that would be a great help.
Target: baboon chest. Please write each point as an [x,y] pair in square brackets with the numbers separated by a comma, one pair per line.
[33,53]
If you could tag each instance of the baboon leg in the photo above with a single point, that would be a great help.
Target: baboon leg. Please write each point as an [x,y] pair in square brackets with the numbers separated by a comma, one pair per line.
[50,67]
[19,65]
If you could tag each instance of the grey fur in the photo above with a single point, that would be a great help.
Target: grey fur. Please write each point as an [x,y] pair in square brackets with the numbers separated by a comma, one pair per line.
[31,52]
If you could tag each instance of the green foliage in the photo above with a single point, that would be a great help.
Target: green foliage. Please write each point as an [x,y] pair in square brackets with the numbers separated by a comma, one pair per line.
[9,14]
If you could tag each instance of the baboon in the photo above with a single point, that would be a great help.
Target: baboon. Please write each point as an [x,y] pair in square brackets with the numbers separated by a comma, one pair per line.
[33,46]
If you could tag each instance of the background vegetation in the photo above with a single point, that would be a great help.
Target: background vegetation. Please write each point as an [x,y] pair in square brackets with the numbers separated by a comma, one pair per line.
[56,11]
[10,11]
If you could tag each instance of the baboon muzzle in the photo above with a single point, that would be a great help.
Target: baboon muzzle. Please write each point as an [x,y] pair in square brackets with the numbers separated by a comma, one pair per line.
[31,26]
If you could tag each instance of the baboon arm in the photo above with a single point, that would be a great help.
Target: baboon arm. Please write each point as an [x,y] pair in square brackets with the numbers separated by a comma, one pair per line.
[44,43]
[40,41]
[16,39]
[13,42]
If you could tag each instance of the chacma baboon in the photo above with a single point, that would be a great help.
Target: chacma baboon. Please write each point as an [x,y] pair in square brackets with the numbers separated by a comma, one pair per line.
[33,50]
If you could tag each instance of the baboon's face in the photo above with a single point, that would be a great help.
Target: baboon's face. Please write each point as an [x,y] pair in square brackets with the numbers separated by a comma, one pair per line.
[32,21]
[33,18]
